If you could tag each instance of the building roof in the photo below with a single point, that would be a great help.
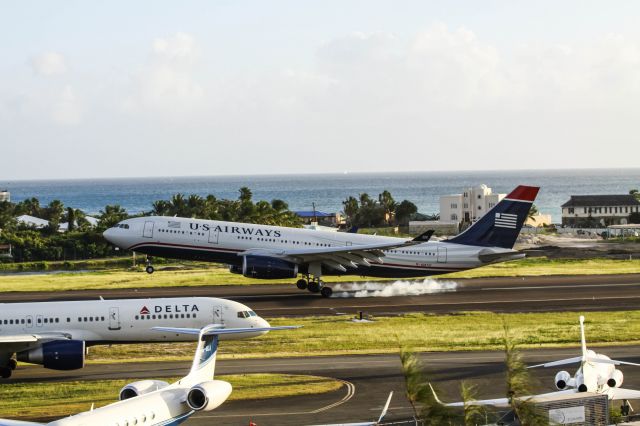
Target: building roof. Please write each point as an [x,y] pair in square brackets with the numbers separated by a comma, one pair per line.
[311,213]
[32,221]
[601,200]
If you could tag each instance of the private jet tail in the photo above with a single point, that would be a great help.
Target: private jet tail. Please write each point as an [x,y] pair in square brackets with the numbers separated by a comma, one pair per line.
[587,355]
[204,360]
[500,226]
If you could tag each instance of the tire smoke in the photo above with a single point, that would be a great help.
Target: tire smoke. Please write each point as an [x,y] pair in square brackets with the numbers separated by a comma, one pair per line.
[397,288]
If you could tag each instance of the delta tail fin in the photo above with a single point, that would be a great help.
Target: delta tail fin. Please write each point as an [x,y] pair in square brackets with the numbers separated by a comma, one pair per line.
[500,226]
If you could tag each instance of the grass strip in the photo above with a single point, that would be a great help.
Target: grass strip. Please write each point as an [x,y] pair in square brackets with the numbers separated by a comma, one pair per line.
[59,399]
[338,335]
[216,275]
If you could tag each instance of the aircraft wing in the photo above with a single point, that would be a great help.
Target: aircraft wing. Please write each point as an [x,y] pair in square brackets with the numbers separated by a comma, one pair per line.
[339,258]
[7,422]
[621,393]
[501,402]
[20,342]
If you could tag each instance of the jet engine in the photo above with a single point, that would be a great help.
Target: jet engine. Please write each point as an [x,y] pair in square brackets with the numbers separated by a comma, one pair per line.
[56,355]
[615,381]
[208,395]
[562,379]
[141,387]
[268,267]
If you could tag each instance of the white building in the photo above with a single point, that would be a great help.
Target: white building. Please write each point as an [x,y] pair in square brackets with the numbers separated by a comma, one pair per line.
[469,206]
[598,210]
[5,195]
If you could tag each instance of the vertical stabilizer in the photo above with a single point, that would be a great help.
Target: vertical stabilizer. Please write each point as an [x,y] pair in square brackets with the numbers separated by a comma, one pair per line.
[582,339]
[204,360]
[501,225]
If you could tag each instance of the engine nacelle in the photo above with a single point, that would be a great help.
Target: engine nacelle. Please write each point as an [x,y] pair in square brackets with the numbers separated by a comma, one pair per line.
[268,267]
[235,269]
[615,381]
[208,395]
[562,379]
[141,387]
[56,355]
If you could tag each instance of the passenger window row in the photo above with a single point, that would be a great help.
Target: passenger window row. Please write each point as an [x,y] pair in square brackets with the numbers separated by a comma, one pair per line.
[165,316]
[134,421]
[88,319]
[173,231]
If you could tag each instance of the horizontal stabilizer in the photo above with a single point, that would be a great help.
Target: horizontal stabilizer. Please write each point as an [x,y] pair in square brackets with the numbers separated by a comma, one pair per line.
[566,361]
[621,393]
[220,331]
[6,422]
[611,361]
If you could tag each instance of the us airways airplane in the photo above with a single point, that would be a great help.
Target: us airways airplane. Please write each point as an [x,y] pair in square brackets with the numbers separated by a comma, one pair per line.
[158,403]
[56,334]
[274,252]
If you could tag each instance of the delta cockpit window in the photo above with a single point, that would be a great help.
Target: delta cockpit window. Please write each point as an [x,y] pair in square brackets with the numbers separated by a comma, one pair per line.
[246,314]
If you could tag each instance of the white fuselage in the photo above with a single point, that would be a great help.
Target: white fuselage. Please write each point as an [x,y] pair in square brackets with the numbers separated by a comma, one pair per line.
[218,241]
[125,320]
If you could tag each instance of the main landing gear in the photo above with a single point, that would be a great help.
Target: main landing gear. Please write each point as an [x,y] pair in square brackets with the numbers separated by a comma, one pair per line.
[625,408]
[5,372]
[315,285]
[149,267]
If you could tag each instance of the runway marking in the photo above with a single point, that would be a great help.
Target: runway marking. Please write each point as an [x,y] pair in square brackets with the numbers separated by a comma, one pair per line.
[561,286]
[351,391]
[462,302]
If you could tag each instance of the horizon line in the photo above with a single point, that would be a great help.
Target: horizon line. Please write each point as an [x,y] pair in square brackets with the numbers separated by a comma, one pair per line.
[345,173]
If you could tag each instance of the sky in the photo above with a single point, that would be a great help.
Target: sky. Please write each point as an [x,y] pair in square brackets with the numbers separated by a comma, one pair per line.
[94,89]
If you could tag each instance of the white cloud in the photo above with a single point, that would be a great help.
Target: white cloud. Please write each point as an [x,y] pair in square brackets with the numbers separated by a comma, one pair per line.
[48,63]
[180,46]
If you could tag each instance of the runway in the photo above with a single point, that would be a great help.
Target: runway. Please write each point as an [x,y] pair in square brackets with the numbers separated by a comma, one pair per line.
[521,294]
[368,379]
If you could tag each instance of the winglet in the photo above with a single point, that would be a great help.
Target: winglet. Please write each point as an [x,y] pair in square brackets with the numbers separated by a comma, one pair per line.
[425,236]
[386,407]
[435,396]
[582,339]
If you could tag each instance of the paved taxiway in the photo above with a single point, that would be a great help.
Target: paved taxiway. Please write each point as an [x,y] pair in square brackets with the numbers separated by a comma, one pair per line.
[368,380]
[522,294]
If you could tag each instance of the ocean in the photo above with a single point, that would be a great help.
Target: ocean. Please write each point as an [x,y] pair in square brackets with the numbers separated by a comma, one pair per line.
[327,191]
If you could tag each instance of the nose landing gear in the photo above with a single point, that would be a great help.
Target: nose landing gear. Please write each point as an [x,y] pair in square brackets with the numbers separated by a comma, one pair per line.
[149,267]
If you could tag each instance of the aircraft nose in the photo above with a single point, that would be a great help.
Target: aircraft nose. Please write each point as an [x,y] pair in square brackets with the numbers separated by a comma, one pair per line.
[108,235]
[262,323]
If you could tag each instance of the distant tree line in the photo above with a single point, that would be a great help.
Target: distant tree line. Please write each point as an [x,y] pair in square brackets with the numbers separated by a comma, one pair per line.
[365,211]
[82,241]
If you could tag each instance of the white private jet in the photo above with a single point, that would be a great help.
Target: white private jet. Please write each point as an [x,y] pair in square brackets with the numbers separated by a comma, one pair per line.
[154,402]
[275,252]
[56,334]
[596,374]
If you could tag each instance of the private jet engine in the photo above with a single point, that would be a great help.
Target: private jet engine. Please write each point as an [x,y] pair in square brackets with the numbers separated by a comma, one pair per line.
[615,381]
[265,267]
[141,387]
[235,269]
[208,395]
[56,355]
[562,379]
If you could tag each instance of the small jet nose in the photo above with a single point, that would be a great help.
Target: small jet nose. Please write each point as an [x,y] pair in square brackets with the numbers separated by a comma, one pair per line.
[108,235]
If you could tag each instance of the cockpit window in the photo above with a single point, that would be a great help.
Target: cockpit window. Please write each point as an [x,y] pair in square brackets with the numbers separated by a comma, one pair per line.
[121,225]
[253,314]
[244,314]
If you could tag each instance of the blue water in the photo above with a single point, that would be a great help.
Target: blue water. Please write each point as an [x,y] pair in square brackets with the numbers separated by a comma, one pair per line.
[327,191]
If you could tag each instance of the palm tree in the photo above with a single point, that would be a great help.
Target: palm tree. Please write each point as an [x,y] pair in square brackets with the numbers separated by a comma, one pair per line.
[111,215]
[519,382]
[474,414]
[350,209]
[388,204]
[533,212]
[178,205]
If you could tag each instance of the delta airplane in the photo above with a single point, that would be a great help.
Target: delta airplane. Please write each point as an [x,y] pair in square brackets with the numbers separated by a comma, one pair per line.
[275,252]
[56,334]
[154,402]
[596,374]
